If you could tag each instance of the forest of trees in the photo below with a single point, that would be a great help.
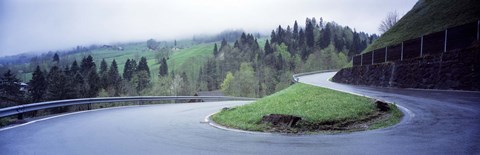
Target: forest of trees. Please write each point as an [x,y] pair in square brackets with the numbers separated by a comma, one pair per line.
[246,69]
[239,68]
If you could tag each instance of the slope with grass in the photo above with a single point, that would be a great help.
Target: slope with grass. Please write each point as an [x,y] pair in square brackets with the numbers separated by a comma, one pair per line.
[428,16]
[315,105]
[188,59]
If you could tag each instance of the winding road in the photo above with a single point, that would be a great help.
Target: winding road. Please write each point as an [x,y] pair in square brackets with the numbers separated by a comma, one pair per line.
[436,122]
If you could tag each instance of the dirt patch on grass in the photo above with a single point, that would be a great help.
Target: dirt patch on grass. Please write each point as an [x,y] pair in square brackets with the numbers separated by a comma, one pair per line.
[305,127]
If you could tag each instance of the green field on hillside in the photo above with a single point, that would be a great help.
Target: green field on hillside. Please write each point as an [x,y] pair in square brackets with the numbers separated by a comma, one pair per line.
[188,59]
[428,16]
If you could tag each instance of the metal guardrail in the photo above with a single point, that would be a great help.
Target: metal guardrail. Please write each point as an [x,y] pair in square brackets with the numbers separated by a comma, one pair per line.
[458,37]
[60,103]
[295,76]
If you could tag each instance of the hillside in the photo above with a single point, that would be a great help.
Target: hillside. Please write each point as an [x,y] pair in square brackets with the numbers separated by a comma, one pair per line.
[195,55]
[429,16]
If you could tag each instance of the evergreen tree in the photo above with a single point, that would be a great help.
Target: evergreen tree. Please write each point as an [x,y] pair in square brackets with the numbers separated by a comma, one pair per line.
[103,74]
[92,81]
[128,70]
[163,68]
[70,85]
[87,65]
[295,30]
[211,73]
[268,49]
[10,85]
[143,66]
[56,58]
[325,37]
[309,34]
[215,50]
[75,68]
[224,44]
[141,80]
[89,70]
[81,88]
[273,37]
[114,79]
[56,84]
[280,35]
[37,85]
[301,38]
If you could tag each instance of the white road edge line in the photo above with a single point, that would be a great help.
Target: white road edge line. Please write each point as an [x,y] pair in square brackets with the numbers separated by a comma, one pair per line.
[402,108]
[61,115]
[409,112]
[212,123]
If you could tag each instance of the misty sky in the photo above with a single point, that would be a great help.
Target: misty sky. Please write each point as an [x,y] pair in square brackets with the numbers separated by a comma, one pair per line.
[43,25]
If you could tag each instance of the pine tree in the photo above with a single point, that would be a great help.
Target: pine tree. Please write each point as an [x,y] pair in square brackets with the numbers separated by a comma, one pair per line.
[325,37]
[87,65]
[279,35]
[37,85]
[211,73]
[74,68]
[10,85]
[273,37]
[81,89]
[114,79]
[224,43]
[92,81]
[56,84]
[268,49]
[295,30]
[143,66]
[128,70]
[103,74]
[215,50]
[70,85]
[56,58]
[163,71]
[301,38]
[309,36]
[89,70]
[141,80]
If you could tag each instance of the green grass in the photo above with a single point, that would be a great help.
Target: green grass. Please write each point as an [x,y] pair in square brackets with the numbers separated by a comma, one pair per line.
[396,116]
[188,59]
[429,16]
[313,104]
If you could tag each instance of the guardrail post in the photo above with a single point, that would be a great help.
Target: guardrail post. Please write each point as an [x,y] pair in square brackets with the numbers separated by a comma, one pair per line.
[20,116]
[421,47]
[401,53]
[386,52]
[445,43]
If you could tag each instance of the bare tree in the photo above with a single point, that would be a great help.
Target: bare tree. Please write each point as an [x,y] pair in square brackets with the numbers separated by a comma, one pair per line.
[389,21]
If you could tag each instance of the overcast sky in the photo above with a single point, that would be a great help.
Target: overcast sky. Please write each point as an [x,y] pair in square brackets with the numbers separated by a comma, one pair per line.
[43,25]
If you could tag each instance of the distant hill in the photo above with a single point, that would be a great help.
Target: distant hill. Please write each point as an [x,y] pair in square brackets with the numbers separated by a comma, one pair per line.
[429,16]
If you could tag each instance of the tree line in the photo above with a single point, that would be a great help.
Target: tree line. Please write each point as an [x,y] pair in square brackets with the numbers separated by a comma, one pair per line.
[247,69]
[243,67]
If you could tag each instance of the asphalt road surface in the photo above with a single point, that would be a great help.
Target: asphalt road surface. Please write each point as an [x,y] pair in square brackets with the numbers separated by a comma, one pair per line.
[439,122]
